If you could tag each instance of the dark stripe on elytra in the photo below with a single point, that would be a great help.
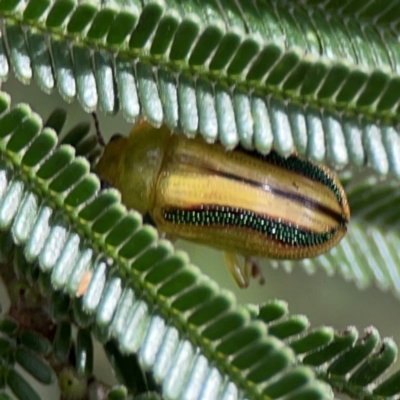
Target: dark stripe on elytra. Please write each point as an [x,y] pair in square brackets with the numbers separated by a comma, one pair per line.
[302,167]
[310,203]
[277,229]
[299,166]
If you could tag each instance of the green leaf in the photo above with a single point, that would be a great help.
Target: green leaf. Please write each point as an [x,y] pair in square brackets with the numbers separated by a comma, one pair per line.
[320,78]
[20,387]
[35,366]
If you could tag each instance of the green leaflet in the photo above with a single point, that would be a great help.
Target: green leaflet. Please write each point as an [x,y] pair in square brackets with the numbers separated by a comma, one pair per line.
[336,353]
[116,311]
[356,75]
[286,75]
[135,288]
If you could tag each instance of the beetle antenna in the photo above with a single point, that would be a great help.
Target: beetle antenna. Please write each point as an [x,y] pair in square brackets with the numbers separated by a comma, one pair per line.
[97,127]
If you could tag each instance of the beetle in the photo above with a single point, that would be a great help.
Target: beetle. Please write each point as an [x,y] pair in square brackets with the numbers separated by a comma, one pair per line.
[239,201]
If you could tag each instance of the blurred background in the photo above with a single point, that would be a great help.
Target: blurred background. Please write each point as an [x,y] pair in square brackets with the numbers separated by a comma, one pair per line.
[324,300]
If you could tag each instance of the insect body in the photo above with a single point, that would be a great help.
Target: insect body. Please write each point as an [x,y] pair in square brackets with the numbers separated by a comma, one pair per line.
[237,201]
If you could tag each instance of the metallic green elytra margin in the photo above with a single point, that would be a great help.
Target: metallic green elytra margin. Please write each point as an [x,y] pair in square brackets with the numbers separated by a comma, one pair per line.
[277,229]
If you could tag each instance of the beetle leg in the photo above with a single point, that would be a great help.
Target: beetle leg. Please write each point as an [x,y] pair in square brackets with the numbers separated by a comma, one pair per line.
[255,269]
[100,138]
[241,272]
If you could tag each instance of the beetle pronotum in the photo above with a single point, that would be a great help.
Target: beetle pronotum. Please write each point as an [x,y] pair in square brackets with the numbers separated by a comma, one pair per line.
[238,201]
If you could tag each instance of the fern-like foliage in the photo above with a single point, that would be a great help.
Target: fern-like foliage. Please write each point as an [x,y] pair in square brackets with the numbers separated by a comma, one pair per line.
[146,296]
[318,77]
